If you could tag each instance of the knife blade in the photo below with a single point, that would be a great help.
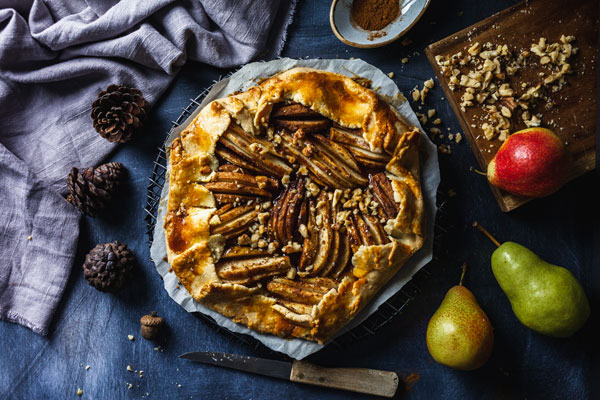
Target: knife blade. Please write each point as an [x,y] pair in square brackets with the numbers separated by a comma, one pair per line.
[362,380]
[262,366]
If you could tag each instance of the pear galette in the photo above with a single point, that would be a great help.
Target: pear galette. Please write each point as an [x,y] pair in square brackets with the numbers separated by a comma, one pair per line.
[292,203]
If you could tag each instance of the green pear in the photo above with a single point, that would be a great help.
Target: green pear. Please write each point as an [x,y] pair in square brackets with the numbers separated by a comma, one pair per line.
[544,297]
[459,334]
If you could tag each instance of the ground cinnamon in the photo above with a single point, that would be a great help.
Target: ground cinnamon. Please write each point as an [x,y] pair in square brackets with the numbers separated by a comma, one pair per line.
[373,15]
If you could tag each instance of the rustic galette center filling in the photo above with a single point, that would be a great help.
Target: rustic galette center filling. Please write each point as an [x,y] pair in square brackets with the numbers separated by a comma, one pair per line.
[296,202]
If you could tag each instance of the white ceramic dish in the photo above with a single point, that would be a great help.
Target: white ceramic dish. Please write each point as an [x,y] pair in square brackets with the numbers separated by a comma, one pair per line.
[351,34]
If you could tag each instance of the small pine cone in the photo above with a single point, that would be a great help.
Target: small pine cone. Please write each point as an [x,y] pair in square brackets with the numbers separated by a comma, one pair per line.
[118,112]
[108,266]
[91,190]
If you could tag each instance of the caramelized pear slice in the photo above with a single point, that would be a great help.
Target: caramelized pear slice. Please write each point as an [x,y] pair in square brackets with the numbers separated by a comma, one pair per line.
[376,229]
[293,110]
[384,193]
[325,233]
[343,256]
[307,125]
[236,188]
[236,160]
[363,230]
[252,270]
[224,199]
[243,252]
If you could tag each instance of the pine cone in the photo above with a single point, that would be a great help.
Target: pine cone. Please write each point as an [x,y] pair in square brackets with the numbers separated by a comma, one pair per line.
[91,189]
[108,266]
[118,112]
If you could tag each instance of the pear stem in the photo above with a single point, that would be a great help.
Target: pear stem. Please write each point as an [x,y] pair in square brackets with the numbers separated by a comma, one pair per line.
[478,171]
[486,233]
[462,275]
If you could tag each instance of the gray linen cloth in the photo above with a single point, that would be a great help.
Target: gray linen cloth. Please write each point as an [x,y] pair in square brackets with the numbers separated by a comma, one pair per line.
[55,56]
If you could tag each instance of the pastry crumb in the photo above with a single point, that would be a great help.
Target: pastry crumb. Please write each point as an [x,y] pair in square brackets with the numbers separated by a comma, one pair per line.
[391,75]
[29,237]
[87,367]
[79,392]
[129,368]
[130,337]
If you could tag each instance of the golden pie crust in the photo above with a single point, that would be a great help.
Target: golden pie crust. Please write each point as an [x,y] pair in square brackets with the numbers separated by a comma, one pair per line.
[275,293]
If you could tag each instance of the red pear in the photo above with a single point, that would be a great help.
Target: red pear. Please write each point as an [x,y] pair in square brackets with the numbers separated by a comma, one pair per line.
[533,162]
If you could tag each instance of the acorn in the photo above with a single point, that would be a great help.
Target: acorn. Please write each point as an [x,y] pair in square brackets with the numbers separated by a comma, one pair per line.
[152,326]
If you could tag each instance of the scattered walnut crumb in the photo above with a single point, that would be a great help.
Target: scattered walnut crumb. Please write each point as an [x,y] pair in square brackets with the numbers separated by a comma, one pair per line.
[444,149]
[130,337]
[79,392]
[416,94]
[87,367]
[431,113]
[437,121]
[129,368]
[29,237]
[481,73]
[458,137]
[391,75]
[404,60]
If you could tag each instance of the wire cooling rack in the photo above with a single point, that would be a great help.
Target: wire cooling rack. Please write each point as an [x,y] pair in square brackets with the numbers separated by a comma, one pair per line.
[387,312]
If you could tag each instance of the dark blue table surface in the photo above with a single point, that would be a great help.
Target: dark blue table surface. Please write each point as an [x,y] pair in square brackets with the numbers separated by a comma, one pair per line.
[91,328]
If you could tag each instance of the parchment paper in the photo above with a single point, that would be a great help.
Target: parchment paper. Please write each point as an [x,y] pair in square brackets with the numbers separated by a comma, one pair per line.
[430,178]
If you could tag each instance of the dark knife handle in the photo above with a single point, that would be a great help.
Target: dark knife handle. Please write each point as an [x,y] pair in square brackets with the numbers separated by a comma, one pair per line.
[361,380]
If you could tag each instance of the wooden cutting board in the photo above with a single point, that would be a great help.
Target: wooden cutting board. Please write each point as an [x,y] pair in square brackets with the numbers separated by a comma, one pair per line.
[574,112]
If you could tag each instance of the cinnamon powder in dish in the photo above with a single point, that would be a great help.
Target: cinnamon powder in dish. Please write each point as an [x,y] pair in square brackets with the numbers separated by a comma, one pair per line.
[374,15]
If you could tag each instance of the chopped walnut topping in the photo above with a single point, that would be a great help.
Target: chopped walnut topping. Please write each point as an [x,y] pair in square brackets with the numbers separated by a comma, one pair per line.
[272,247]
[263,217]
[303,230]
[303,170]
[285,180]
[312,190]
[308,150]
[244,240]
[291,274]
[258,148]
[214,220]
[292,247]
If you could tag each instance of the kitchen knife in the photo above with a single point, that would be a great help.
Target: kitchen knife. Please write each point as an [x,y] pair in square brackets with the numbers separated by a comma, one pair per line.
[362,380]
